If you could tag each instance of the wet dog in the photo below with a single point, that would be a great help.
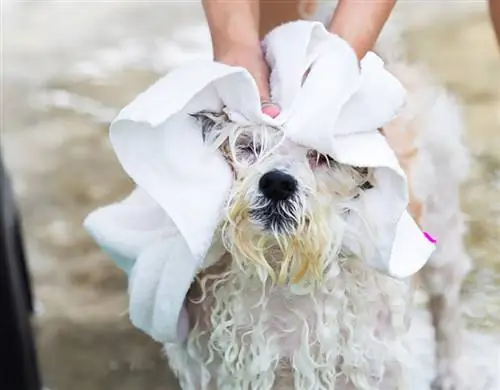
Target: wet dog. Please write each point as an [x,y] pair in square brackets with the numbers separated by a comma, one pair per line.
[292,304]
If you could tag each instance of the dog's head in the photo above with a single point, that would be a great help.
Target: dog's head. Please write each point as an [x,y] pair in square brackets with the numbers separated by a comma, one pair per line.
[287,213]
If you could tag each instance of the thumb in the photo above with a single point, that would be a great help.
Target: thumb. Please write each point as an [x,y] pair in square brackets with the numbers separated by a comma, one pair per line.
[261,76]
[270,108]
[267,106]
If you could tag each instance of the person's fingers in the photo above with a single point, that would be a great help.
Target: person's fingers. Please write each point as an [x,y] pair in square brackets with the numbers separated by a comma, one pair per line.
[260,72]
[270,109]
[254,62]
[261,77]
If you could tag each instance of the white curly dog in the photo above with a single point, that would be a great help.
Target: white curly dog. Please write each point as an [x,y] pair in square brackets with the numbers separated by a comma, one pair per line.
[291,304]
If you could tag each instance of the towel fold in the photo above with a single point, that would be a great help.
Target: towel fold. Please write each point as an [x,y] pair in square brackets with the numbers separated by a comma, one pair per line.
[167,229]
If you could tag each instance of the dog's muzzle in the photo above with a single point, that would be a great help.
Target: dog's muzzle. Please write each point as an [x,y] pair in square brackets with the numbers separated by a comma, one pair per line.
[277,208]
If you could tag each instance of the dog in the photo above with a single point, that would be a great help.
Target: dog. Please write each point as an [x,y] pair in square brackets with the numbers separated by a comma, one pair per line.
[292,304]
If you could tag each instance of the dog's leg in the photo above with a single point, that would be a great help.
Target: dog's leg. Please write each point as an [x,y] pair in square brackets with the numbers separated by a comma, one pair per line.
[443,277]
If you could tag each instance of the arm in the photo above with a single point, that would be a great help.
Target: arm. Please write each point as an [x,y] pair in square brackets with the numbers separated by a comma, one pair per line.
[359,22]
[234,27]
[233,23]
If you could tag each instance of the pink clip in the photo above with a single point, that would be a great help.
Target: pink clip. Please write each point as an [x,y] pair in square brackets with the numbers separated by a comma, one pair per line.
[430,238]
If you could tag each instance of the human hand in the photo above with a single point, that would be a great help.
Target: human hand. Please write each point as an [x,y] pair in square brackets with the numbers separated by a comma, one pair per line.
[252,59]
[234,28]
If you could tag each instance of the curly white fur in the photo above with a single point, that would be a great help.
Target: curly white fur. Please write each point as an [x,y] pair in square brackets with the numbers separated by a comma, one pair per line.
[301,310]
[245,331]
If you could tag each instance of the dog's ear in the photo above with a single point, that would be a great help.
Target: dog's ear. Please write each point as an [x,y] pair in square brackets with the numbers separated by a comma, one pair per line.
[208,121]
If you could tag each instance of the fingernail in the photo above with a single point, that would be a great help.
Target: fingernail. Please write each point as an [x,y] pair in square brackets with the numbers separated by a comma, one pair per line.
[430,238]
[271,110]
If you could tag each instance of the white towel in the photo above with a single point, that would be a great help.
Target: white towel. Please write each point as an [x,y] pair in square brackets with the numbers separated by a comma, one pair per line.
[166,231]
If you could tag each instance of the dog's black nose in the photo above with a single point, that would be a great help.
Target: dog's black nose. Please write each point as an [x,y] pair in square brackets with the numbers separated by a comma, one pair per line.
[277,185]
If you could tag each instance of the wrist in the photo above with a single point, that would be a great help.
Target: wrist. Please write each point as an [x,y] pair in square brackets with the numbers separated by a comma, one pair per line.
[226,47]
[232,24]
[360,23]
[360,44]
[224,38]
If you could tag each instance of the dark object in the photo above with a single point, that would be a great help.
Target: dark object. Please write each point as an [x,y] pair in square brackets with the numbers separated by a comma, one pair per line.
[277,185]
[18,367]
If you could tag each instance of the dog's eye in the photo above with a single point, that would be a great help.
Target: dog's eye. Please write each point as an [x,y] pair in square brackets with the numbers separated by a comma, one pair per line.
[317,159]
[366,186]
[250,149]
[364,176]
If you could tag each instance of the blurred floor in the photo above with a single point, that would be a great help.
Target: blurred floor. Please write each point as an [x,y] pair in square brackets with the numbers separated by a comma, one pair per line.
[68,68]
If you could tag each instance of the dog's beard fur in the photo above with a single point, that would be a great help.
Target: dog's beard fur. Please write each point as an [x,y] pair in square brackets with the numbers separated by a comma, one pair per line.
[292,249]
[287,241]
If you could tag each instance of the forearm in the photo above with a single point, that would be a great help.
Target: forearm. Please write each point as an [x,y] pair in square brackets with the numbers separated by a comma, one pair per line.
[360,22]
[232,23]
